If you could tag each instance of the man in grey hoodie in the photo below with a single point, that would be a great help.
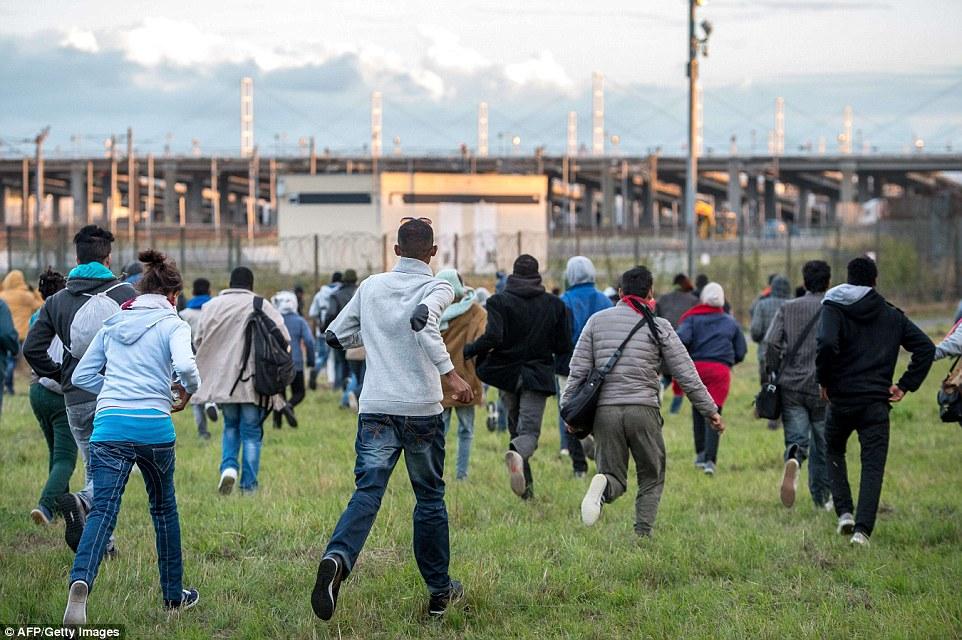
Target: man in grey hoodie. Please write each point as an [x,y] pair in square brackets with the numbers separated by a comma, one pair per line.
[398,314]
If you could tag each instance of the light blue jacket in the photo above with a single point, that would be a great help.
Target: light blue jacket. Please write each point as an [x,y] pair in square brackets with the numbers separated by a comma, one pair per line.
[140,350]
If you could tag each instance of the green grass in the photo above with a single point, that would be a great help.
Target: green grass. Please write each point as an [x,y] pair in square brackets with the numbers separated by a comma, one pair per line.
[727,559]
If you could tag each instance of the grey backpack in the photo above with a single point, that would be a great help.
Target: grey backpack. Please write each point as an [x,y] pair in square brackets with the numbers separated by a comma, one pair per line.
[90,317]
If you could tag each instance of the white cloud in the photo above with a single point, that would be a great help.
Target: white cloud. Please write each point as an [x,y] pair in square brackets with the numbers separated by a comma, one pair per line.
[446,51]
[80,40]
[541,70]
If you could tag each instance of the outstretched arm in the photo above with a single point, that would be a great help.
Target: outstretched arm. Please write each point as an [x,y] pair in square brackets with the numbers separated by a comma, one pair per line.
[920,346]
[38,340]
[346,327]
[429,336]
[491,338]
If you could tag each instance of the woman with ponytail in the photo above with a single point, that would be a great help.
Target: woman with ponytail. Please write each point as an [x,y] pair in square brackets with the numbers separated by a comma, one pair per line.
[628,420]
[141,366]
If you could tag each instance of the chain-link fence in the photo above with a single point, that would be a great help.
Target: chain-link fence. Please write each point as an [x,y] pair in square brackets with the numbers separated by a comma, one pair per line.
[918,245]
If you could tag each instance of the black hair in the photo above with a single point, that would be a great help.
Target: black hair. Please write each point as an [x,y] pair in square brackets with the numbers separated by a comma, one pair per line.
[701,280]
[679,279]
[817,275]
[242,278]
[862,272]
[160,274]
[337,276]
[201,287]
[636,281]
[415,239]
[93,244]
[50,283]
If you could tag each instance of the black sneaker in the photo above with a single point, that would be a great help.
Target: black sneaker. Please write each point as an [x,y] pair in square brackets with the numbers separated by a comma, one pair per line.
[74,518]
[288,413]
[187,601]
[277,420]
[211,410]
[312,380]
[326,586]
[441,602]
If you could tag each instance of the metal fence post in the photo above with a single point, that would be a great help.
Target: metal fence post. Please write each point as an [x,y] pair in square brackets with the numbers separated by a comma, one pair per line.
[317,262]
[456,252]
[183,246]
[788,252]
[384,257]
[9,248]
[230,248]
[519,243]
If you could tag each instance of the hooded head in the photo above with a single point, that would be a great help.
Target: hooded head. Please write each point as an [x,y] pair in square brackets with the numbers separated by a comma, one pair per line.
[481,295]
[781,287]
[525,266]
[285,302]
[580,270]
[713,295]
[350,276]
[452,278]
[14,281]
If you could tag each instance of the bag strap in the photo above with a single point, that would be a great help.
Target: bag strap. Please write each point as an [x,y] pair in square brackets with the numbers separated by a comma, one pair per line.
[790,356]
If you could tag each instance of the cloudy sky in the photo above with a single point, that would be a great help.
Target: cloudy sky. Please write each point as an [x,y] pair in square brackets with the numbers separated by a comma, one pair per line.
[171,71]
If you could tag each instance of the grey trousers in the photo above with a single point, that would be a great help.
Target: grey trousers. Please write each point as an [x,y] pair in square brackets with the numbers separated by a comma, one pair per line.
[80,417]
[525,411]
[634,429]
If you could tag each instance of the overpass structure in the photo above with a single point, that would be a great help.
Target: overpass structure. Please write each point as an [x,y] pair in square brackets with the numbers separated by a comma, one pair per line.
[585,192]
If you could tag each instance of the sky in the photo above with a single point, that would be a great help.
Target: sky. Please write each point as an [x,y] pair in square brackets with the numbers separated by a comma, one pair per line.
[171,71]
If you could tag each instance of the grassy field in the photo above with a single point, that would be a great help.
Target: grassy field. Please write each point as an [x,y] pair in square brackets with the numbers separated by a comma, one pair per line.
[727,559]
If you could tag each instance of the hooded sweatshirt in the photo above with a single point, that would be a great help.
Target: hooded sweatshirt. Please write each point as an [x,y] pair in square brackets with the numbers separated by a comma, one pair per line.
[857,348]
[301,337]
[141,350]
[582,298]
[527,329]
[21,300]
[55,318]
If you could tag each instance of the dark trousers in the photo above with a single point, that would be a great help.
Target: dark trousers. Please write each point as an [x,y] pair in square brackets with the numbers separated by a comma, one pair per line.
[110,464]
[871,422]
[706,438]
[297,388]
[49,409]
[525,412]
[341,371]
[380,441]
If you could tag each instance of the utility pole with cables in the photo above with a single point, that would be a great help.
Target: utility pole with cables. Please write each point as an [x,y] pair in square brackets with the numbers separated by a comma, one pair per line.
[691,176]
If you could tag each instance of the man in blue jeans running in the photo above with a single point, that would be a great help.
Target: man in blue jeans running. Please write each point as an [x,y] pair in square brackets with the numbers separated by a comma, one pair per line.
[395,418]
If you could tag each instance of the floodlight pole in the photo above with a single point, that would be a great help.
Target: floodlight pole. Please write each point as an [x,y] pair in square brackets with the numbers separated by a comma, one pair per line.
[691,173]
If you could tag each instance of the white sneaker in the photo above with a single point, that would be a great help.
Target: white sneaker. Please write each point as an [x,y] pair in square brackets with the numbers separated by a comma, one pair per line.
[564,453]
[227,480]
[515,464]
[76,611]
[594,498]
[709,468]
[860,539]
[789,482]
[829,506]
[846,524]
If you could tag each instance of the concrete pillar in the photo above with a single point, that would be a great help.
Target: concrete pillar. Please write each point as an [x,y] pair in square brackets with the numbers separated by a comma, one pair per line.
[802,211]
[607,198]
[195,198]
[735,188]
[78,191]
[651,217]
[831,211]
[878,186]
[751,196]
[588,218]
[55,211]
[770,199]
[845,209]
[864,195]
[3,204]
[171,206]
[226,212]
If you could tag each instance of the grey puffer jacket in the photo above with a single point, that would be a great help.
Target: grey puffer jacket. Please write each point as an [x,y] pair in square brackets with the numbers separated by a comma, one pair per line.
[636,377]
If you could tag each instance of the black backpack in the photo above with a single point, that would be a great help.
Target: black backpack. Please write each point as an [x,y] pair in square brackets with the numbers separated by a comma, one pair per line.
[273,364]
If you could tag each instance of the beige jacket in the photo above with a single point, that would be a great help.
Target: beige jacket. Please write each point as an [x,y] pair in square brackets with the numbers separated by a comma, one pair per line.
[219,342]
[21,300]
[636,378]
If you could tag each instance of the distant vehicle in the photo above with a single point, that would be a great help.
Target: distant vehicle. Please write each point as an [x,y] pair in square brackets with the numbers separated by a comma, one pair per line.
[720,226]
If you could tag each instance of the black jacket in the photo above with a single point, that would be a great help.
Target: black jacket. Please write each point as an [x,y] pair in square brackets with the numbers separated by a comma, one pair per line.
[54,320]
[527,329]
[858,347]
[338,301]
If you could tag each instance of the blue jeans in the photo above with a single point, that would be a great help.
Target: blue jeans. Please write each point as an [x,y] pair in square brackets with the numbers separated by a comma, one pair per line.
[380,441]
[803,417]
[242,427]
[110,464]
[8,374]
[320,353]
[706,438]
[465,435]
